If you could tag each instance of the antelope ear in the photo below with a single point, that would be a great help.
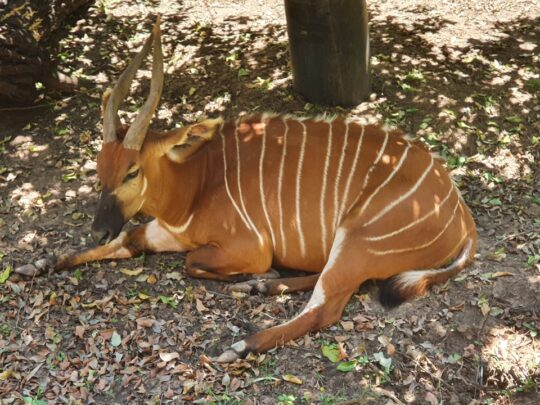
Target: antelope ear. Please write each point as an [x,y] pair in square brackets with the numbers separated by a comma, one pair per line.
[191,140]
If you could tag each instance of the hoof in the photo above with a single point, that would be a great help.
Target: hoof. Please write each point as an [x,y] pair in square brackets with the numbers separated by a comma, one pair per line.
[28,270]
[235,352]
[39,267]
[227,356]
[250,286]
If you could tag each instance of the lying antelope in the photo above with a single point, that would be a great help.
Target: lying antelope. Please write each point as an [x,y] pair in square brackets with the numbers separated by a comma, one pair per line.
[344,201]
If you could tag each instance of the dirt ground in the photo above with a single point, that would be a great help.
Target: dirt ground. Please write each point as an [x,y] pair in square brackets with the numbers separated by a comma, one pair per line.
[464,77]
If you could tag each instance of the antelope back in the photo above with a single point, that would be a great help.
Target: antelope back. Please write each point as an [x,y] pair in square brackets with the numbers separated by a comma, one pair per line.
[294,182]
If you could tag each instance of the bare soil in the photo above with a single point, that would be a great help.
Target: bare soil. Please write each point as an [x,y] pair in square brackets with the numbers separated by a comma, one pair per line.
[461,76]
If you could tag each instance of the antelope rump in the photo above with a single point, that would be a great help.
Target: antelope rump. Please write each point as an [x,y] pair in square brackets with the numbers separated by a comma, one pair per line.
[343,201]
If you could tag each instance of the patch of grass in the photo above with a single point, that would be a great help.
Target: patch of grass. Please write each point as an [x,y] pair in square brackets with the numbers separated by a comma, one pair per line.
[533,85]
[331,399]
[5,330]
[286,399]
[78,274]
[169,301]
[394,116]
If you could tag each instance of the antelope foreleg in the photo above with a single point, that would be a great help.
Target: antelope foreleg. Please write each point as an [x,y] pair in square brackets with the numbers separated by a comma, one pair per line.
[150,237]
[277,286]
[120,248]
[225,263]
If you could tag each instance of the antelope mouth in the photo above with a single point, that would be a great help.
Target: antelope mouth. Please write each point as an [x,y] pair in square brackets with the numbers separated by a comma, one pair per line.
[109,220]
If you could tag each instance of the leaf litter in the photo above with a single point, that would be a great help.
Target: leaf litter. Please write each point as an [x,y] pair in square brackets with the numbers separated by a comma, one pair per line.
[140,331]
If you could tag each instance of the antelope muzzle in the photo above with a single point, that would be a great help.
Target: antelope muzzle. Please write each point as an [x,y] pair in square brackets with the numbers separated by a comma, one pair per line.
[109,219]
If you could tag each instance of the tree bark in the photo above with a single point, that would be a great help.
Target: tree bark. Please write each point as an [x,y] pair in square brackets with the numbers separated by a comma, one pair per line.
[329,44]
[25,29]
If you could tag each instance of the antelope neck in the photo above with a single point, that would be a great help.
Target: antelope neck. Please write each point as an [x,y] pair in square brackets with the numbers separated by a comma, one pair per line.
[173,189]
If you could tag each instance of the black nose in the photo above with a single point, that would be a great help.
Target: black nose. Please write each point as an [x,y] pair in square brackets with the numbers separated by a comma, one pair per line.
[101,236]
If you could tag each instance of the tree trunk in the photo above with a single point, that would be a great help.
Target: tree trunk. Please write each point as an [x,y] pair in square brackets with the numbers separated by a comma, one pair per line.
[25,28]
[329,44]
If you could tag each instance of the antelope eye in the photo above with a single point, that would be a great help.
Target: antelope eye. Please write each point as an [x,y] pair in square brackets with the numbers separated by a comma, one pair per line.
[131,176]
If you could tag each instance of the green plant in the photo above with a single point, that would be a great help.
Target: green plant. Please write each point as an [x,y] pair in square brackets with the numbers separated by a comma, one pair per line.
[286,399]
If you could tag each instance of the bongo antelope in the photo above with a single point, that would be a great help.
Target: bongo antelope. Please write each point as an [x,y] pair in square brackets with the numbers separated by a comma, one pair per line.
[343,201]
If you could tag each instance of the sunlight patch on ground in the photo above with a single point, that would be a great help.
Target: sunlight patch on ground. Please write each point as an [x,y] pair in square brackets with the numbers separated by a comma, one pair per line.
[513,358]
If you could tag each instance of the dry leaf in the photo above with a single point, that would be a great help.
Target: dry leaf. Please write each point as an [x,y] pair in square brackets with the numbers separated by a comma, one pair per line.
[200,306]
[5,375]
[145,322]
[97,303]
[166,357]
[292,379]
[347,325]
[501,274]
[432,399]
[152,279]
[132,273]
[79,331]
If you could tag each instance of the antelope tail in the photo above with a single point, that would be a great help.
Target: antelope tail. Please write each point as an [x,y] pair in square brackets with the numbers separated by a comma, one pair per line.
[404,286]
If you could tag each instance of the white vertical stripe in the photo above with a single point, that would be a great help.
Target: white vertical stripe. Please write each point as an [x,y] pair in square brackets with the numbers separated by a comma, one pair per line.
[323,190]
[261,183]
[391,205]
[416,222]
[411,277]
[338,175]
[298,189]
[371,168]
[227,188]
[388,179]
[385,252]
[280,188]
[238,178]
[351,173]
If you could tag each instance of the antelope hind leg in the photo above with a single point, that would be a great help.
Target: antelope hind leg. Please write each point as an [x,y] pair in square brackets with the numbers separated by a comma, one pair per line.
[226,263]
[150,237]
[332,291]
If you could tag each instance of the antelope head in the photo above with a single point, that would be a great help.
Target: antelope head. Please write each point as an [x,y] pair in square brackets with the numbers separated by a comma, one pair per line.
[120,160]
[128,152]
[120,163]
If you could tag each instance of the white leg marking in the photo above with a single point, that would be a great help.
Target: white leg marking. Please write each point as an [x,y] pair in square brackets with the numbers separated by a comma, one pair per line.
[323,190]
[227,188]
[238,178]
[160,239]
[298,189]
[370,170]
[391,205]
[351,174]
[385,252]
[261,186]
[416,222]
[280,188]
[318,297]
[239,347]
[388,179]
[338,176]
